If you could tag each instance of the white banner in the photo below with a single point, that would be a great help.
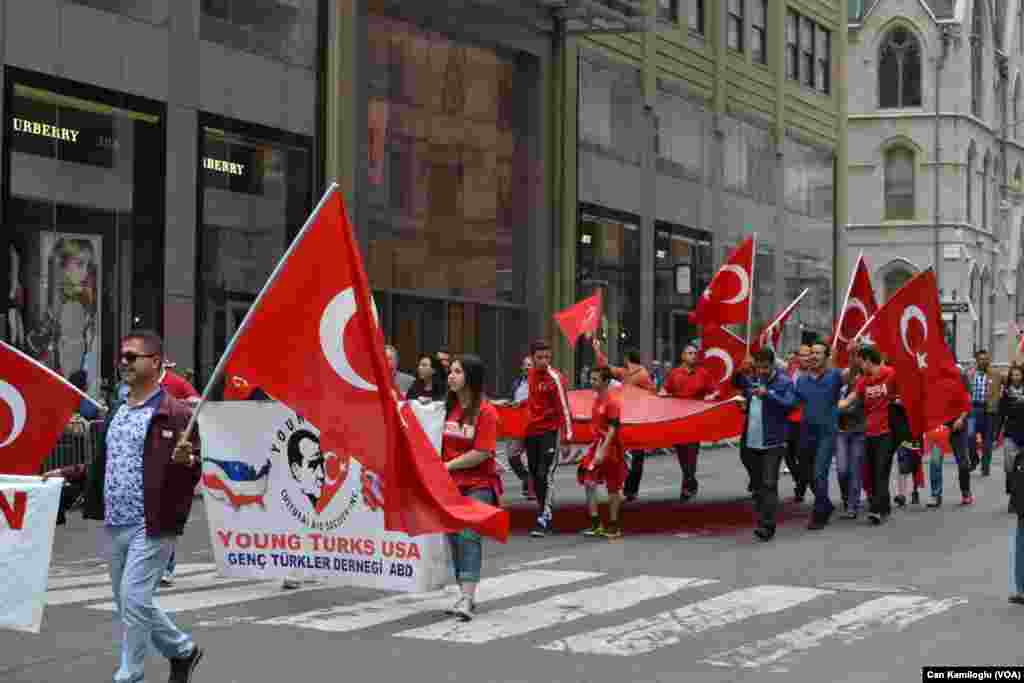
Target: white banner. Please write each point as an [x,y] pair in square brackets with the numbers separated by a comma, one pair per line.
[278,507]
[28,516]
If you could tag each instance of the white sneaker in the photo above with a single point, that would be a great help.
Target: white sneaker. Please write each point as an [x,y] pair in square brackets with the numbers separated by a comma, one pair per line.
[464,608]
[167,580]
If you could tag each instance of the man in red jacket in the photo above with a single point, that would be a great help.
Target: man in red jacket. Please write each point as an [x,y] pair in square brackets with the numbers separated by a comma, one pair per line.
[549,421]
[688,381]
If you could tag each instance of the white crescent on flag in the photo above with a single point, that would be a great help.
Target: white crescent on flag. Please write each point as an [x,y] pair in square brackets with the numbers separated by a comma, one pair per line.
[16,403]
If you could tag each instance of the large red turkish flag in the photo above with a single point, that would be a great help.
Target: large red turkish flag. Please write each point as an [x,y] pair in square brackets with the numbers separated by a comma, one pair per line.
[583,316]
[726,301]
[35,406]
[311,342]
[771,335]
[722,354]
[908,330]
[860,306]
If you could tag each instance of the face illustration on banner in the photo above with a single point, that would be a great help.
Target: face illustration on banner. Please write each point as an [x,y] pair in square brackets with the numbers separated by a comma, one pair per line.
[317,475]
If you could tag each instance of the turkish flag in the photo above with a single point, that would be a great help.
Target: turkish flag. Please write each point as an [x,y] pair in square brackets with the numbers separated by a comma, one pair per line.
[860,305]
[584,316]
[908,330]
[311,342]
[771,335]
[35,406]
[722,353]
[726,301]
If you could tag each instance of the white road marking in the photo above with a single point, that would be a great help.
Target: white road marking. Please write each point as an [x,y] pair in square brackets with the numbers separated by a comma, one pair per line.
[539,563]
[858,587]
[889,613]
[560,609]
[669,628]
[84,580]
[367,614]
[71,596]
[232,594]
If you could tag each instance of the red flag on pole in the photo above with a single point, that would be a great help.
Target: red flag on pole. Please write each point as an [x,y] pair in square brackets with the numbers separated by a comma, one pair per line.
[581,317]
[860,305]
[311,341]
[771,335]
[722,353]
[908,330]
[727,300]
[35,406]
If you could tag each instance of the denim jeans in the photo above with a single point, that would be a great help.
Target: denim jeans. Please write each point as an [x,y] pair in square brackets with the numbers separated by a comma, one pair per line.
[819,445]
[957,441]
[981,422]
[466,546]
[850,465]
[137,562]
[1017,557]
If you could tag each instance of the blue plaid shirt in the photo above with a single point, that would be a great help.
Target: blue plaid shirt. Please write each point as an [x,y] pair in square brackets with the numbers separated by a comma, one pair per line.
[981,381]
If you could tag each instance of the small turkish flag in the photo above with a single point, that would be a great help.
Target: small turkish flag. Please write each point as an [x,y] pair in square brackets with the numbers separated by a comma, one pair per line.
[726,301]
[35,406]
[311,342]
[772,334]
[581,317]
[908,330]
[861,304]
[722,353]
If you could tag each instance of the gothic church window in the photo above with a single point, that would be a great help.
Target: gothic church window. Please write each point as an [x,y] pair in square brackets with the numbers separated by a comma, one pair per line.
[899,70]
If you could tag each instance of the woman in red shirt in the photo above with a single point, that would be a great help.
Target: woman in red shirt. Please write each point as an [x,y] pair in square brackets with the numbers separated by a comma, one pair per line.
[467,448]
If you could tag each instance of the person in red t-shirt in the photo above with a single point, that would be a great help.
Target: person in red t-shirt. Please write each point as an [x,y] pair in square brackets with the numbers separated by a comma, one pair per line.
[605,462]
[548,422]
[688,381]
[876,388]
[178,387]
[467,449]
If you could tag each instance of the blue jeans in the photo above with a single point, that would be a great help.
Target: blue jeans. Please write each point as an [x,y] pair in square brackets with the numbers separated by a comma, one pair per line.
[467,548]
[136,564]
[957,441]
[1017,557]
[819,443]
[849,464]
[981,421]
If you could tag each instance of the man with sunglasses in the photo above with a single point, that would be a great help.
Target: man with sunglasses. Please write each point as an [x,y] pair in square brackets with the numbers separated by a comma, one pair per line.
[140,485]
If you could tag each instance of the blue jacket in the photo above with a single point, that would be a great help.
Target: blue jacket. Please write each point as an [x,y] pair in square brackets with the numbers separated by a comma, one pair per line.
[820,397]
[775,406]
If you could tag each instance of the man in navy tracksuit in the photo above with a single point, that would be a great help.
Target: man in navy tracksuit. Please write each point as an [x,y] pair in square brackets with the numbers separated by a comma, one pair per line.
[769,397]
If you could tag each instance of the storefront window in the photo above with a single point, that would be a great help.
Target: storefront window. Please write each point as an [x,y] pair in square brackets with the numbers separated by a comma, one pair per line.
[280,29]
[452,168]
[85,219]
[255,194]
[682,269]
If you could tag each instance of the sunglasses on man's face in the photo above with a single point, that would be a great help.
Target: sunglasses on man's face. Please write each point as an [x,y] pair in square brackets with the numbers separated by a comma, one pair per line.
[129,358]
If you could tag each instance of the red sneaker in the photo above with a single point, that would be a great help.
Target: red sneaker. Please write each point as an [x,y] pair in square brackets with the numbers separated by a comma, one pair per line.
[967,500]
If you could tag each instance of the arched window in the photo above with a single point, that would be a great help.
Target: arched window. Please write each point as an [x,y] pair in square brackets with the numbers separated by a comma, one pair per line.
[899,183]
[977,66]
[971,155]
[899,70]
[894,279]
[985,168]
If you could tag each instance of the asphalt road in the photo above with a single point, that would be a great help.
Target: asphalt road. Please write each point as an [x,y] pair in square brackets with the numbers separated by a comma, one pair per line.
[707,602]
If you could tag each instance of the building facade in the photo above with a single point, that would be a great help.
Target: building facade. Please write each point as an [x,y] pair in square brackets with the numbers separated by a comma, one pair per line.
[937,148]
[158,156]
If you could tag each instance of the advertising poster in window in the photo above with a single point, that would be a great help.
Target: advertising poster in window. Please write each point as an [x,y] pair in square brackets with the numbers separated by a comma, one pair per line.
[70,306]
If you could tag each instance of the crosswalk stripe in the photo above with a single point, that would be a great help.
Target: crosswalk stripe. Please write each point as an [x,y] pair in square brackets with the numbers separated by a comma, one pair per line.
[362,615]
[84,580]
[669,628]
[892,611]
[560,609]
[229,594]
[71,596]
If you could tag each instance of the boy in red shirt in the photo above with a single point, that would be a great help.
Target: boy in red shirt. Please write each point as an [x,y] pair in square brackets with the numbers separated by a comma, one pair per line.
[876,388]
[605,462]
[549,421]
[688,381]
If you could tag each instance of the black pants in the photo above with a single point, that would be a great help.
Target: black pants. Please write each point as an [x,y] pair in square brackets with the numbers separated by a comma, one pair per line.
[542,460]
[687,454]
[636,473]
[878,455]
[800,466]
[958,441]
[764,464]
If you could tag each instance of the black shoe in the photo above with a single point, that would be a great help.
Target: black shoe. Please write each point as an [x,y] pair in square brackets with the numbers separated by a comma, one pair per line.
[936,502]
[183,667]
[630,497]
[817,523]
[540,531]
[900,501]
[915,498]
[765,533]
[1010,508]
[874,518]
[986,470]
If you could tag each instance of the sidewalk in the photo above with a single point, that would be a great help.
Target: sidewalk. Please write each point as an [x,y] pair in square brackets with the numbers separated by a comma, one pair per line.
[722,504]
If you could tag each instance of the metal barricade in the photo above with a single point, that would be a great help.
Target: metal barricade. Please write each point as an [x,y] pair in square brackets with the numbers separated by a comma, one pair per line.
[76,446]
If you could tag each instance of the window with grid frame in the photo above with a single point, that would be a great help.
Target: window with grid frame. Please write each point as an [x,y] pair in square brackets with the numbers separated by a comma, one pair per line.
[758,32]
[734,35]
[823,57]
[668,10]
[807,52]
[695,17]
[793,45]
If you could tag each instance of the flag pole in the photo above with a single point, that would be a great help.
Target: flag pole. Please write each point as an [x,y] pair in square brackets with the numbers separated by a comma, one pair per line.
[750,299]
[846,302]
[219,369]
[56,375]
